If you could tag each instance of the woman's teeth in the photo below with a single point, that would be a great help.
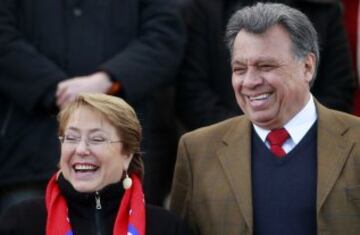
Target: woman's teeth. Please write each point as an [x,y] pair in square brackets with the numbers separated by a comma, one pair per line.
[85,167]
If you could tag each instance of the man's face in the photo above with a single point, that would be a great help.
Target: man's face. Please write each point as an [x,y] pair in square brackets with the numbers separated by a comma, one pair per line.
[270,84]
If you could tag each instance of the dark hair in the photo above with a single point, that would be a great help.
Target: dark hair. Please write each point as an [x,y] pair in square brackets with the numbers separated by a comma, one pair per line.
[261,16]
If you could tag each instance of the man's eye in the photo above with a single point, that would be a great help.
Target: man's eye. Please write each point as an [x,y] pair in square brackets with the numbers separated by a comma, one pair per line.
[266,67]
[239,70]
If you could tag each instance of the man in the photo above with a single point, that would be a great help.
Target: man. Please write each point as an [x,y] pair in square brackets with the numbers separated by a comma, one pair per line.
[204,95]
[50,51]
[237,176]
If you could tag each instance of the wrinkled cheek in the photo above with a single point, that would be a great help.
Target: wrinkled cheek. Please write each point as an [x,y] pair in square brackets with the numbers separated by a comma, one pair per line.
[236,85]
[241,102]
[65,161]
[65,156]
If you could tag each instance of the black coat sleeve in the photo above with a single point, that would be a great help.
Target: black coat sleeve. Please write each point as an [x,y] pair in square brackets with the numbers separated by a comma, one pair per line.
[160,221]
[25,218]
[335,82]
[26,75]
[151,60]
[10,223]
[198,102]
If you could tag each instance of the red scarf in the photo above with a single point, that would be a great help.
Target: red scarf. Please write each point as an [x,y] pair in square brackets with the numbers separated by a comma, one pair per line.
[130,218]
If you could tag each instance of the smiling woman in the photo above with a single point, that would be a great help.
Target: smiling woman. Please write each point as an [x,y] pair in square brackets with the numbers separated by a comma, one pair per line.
[100,137]
[98,188]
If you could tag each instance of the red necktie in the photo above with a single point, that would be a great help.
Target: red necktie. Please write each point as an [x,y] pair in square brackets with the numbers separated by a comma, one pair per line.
[276,139]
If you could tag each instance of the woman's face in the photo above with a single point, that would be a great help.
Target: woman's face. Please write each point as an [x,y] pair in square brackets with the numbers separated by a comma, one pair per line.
[88,161]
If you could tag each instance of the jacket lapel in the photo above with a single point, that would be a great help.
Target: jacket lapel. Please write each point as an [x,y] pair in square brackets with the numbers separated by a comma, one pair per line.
[235,159]
[333,150]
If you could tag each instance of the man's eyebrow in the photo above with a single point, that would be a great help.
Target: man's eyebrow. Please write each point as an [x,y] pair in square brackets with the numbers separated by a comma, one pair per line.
[238,61]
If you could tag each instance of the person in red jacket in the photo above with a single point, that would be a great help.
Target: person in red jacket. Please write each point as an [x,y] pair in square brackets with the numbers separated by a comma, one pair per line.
[351,18]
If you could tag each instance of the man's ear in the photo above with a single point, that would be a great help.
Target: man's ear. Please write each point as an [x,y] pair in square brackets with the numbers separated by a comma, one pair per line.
[309,66]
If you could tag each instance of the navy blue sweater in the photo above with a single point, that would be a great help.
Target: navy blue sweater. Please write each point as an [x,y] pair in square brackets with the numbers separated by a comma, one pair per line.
[284,190]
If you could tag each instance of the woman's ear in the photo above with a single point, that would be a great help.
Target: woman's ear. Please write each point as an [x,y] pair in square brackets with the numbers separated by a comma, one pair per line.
[127,160]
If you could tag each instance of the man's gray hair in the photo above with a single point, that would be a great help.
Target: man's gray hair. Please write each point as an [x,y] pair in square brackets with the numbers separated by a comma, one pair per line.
[261,16]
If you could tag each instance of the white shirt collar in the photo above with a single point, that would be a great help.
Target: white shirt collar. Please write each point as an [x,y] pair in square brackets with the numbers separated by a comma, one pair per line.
[298,126]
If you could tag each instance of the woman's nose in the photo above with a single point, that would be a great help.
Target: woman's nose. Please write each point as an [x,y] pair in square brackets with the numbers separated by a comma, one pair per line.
[82,148]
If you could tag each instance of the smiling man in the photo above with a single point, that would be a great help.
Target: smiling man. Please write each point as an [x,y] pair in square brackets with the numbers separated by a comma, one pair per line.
[288,165]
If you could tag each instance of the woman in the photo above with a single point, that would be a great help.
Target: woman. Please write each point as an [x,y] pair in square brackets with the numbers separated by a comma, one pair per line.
[98,187]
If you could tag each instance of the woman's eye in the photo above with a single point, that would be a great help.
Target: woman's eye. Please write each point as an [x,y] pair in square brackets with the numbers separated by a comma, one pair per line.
[97,139]
[71,138]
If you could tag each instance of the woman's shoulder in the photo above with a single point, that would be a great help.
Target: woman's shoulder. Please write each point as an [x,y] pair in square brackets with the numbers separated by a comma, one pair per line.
[28,217]
[161,221]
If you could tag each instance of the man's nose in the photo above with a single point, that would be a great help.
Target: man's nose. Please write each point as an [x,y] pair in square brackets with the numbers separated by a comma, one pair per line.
[252,78]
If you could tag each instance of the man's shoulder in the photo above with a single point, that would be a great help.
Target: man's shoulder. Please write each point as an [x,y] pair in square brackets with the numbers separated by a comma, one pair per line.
[346,117]
[215,131]
[339,121]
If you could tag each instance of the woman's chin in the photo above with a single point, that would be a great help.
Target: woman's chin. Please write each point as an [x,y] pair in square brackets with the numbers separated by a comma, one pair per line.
[85,182]
[84,187]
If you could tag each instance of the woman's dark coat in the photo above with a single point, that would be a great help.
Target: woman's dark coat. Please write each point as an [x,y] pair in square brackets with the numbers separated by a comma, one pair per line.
[29,217]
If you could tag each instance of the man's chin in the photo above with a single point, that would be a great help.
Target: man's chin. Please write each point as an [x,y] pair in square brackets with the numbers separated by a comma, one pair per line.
[265,121]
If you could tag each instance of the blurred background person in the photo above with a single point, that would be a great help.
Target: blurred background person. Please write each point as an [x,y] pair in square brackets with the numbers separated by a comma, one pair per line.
[50,51]
[98,188]
[351,18]
[204,94]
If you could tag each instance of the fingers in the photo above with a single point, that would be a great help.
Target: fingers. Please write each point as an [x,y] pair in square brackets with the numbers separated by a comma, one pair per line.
[68,90]
[61,94]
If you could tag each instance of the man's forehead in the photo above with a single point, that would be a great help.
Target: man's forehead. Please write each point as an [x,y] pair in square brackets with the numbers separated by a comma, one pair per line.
[270,46]
[239,59]
[273,34]
[271,28]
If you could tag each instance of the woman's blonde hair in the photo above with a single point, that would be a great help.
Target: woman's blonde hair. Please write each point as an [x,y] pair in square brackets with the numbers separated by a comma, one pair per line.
[120,114]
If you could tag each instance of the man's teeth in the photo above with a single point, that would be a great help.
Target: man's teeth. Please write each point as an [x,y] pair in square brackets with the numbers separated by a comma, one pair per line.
[259,97]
